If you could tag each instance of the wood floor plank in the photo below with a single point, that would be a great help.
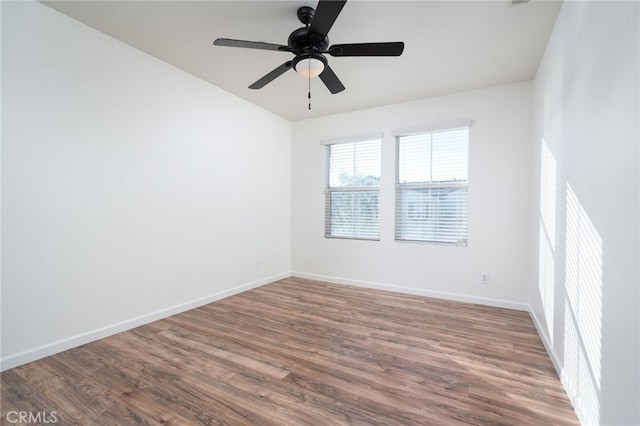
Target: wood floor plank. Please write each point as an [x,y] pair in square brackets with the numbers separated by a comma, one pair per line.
[302,352]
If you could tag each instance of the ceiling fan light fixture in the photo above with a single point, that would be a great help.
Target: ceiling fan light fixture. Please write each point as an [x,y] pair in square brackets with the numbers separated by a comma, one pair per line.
[310,65]
[309,68]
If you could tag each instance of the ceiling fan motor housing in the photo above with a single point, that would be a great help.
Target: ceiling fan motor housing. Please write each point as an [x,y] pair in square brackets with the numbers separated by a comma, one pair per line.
[302,41]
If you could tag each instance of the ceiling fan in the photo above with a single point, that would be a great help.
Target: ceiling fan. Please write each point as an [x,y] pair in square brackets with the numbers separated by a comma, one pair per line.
[310,43]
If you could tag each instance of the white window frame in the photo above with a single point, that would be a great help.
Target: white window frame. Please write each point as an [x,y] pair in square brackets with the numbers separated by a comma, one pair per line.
[402,234]
[332,190]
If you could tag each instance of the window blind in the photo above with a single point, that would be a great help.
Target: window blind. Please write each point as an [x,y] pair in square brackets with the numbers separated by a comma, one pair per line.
[353,190]
[431,187]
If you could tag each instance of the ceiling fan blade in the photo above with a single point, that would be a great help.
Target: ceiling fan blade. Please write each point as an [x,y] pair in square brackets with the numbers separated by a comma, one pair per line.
[367,49]
[251,44]
[271,76]
[331,80]
[325,15]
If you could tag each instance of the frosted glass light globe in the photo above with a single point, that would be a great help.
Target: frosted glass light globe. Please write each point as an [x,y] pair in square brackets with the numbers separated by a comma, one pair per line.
[310,67]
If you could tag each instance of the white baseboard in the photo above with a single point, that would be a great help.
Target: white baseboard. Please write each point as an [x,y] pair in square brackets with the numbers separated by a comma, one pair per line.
[555,360]
[416,291]
[544,336]
[24,357]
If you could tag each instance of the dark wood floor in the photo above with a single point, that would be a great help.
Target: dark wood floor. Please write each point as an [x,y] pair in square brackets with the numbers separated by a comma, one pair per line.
[300,352]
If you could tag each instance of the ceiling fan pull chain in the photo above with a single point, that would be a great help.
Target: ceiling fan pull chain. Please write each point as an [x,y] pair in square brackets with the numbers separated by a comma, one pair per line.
[309,94]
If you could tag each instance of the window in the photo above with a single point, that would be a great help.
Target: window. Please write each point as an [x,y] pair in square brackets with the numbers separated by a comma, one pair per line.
[353,190]
[431,186]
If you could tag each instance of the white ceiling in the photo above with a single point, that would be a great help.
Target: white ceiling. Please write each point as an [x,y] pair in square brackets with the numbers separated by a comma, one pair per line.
[450,46]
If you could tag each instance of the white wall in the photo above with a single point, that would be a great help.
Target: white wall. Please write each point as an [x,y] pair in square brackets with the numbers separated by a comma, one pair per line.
[130,189]
[499,201]
[584,293]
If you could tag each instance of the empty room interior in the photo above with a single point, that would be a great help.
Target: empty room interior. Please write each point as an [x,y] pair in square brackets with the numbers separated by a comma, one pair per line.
[213,214]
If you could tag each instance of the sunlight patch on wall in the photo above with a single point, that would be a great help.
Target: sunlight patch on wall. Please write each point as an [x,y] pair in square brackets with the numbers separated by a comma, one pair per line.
[546,278]
[546,263]
[548,168]
[583,311]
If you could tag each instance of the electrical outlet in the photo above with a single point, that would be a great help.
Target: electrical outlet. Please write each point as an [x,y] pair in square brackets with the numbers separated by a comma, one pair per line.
[258,265]
[484,279]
